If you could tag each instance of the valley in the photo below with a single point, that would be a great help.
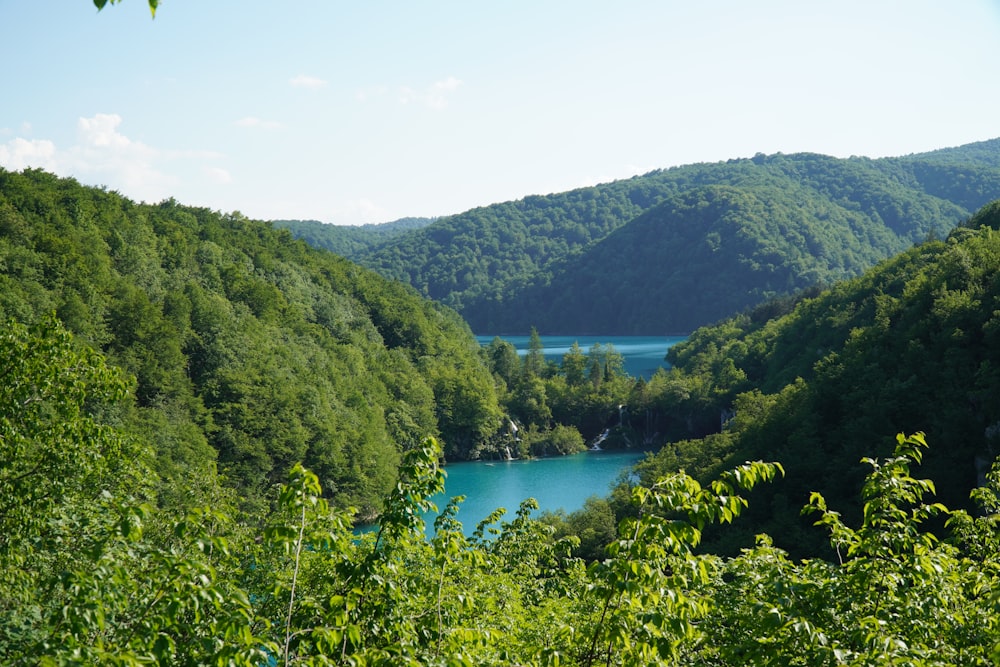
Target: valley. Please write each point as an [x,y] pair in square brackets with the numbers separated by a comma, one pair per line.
[188,391]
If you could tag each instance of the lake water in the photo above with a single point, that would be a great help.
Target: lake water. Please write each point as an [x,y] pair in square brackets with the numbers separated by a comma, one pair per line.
[642,354]
[563,482]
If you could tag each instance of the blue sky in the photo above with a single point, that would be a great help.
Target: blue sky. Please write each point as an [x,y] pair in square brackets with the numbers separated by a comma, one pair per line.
[355,112]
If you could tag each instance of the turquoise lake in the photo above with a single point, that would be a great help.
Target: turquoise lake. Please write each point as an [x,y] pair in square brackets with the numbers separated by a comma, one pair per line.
[563,482]
[556,483]
[643,354]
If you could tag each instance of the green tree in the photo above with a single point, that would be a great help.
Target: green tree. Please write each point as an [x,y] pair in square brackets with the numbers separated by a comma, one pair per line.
[79,582]
[58,452]
[574,365]
[504,360]
[251,350]
[534,361]
[738,233]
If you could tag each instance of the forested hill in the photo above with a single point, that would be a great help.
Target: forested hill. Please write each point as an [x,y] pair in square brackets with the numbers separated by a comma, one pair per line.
[632,256]
[250,348]
[911,345]
[349,240]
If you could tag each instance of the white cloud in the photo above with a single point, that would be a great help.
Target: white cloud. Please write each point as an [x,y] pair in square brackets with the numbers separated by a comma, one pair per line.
[20,153]
[446,85]
[253,121]
[306,81]
[25,129]
[434,96]
[102,154]
[101,131]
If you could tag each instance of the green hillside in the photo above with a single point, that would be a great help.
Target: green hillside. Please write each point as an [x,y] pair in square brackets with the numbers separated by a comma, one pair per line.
[910,345]
[349,240]
[698,257]
[573,263]
[249,348]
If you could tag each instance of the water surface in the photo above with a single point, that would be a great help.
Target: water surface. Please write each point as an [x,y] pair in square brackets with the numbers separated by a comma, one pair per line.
[642,354]
[563,482]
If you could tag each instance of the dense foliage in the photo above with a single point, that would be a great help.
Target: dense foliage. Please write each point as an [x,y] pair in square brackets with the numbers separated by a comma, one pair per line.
[683,247]
[913,341]
[555,408]
[249,348]
[99,575]
[349,240]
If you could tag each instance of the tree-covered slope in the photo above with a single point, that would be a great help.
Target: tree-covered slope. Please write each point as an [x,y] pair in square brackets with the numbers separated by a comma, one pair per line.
[248,346]
[910,345]
[349,240]
[540,261]
[979,153]
[698,257]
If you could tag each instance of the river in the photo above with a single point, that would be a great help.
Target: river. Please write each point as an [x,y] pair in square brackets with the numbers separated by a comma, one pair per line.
[642,354]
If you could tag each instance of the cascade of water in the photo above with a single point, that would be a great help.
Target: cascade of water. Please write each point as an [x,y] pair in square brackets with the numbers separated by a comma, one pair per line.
[512,430]
[595,445]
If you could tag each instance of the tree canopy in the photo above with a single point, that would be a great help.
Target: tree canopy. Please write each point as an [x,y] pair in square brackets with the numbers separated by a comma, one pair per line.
[821,383]
[145,345]
[249,348]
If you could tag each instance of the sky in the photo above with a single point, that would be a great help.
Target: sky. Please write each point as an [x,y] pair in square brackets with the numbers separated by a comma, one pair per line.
[366,112]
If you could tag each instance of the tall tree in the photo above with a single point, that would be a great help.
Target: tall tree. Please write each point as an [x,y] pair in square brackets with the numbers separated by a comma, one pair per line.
[534,361]
[574,365]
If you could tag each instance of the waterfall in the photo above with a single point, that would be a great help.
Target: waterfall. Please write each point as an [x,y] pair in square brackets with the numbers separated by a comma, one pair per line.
[512,432]
[595,446]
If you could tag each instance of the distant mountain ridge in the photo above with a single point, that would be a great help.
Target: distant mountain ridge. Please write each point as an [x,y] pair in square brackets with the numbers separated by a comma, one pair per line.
[675,249]
[349,240]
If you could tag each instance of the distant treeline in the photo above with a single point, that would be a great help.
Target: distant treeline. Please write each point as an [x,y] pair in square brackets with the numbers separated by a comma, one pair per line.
[349,240]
